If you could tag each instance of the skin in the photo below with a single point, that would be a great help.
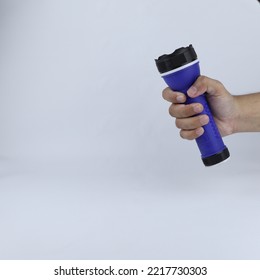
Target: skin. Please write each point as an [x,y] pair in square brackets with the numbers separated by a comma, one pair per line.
[232,114]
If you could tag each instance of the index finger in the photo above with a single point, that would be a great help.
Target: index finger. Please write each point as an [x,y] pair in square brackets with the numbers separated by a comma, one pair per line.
[173,96]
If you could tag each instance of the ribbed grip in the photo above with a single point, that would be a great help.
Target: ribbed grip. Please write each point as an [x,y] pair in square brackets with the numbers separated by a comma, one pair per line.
[210,143]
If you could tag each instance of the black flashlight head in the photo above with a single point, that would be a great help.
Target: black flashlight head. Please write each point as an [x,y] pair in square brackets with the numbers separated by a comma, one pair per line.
[178,58]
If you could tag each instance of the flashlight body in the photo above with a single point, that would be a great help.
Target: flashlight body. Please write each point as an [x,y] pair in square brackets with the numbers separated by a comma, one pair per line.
[210,143]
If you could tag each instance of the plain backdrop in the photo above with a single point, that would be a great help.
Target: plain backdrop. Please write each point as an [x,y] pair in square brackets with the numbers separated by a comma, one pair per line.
[91,164]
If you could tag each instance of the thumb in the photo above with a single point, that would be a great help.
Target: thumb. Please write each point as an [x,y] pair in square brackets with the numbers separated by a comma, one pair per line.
[204,84]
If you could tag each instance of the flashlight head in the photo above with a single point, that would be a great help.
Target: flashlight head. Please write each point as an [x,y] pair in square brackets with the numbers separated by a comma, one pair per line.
[178,58]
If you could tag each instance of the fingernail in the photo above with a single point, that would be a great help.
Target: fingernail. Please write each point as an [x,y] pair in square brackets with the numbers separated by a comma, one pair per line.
[192,91]
[204,119]
[199,131]
[197,108]
[180,98]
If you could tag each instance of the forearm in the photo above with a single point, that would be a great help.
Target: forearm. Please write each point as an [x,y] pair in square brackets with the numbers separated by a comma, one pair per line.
[248,113]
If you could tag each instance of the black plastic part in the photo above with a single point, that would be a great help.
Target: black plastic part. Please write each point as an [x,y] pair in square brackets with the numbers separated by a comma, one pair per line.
[217,158]
[178,58]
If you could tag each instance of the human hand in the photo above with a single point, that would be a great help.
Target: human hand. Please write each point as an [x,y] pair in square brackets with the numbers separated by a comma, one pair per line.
[222,103]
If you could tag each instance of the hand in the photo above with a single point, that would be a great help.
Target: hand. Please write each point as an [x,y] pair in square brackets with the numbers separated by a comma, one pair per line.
[222,103]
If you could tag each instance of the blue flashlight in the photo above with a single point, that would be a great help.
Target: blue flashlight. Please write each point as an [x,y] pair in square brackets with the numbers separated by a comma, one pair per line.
[180,70]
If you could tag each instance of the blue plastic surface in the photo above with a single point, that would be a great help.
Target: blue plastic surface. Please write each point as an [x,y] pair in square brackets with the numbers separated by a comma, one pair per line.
[210,142]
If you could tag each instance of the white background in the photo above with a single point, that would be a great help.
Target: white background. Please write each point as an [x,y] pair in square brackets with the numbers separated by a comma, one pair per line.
[91,164]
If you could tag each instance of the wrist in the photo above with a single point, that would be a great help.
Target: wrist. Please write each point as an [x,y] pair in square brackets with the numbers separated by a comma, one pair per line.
[247,113]
[237,114]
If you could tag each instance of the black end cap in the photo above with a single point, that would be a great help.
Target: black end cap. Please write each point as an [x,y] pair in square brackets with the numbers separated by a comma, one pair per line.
[217,158]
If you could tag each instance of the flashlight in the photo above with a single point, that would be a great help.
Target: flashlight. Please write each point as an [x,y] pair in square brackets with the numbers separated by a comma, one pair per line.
[180,70]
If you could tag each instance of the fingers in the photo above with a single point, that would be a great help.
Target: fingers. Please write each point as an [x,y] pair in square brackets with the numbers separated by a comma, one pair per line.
[191,128]
[177,109]
[192,123]
[191,134]
[173,96]
[187,118]
[204,84]
[185,111]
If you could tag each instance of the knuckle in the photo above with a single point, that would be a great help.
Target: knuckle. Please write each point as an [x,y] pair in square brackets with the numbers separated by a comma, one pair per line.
[182,134]
[190,136]
[202,83]
[219,84]
[178,123]
[171,110]
[191,109]
[203,78]
[183,112]
[180,111]
[186,135]
[193,123]
[164,93]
